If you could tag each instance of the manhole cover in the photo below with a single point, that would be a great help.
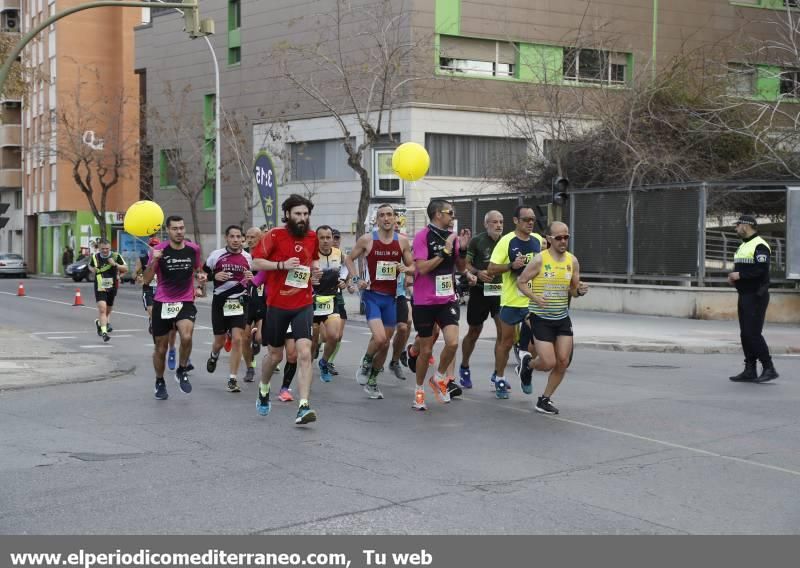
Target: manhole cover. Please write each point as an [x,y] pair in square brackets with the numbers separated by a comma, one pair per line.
[653,366]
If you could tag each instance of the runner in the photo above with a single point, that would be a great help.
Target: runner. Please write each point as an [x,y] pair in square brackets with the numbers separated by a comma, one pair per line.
[437,254]
[555,275]
[106,267]
[256,310]
[291,255]
[325,314]
[387,254]
[175,264]
[403,330]
[509,258]
[484,294]
[148,292]
[229,268]
[340,307]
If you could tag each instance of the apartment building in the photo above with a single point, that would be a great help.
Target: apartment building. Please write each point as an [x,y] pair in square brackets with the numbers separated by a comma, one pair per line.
[12,220]
[463,103]
[82,65]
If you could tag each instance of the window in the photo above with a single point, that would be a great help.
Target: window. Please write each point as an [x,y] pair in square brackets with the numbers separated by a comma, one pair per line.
[234,14]
[473,156]
[386,183]
[481,57]
[741,80]
[234,32]
[790,83]
[595,66]
[167,167]
[320,160]
[234,55]
[18,199]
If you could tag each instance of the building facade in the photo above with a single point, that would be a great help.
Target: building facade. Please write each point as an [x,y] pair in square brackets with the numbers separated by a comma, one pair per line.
[12,219]
[472,60]
[81,87]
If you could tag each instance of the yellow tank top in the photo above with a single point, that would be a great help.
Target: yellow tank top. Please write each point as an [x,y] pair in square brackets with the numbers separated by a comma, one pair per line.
[552,283]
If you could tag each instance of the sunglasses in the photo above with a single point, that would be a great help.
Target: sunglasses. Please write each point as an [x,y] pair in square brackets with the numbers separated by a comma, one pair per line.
[449,212]
[527,219]
[560,238]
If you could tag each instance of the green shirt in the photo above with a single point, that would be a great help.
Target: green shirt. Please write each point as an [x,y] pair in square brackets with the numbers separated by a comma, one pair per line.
[479,253]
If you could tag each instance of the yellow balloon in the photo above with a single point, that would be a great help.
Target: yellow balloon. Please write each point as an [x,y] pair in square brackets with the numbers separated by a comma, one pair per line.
[411,161]
[143,218]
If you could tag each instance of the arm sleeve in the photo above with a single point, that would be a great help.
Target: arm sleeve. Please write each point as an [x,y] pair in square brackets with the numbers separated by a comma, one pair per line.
[759,268]
[260,278]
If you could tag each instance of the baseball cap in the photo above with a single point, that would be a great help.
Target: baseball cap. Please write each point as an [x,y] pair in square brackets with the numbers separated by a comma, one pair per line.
[153,241]
[336,233]
[746,220]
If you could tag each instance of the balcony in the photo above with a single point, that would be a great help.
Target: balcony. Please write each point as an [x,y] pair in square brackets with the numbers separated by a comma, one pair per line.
[10,178]
[10,135]
[9,5]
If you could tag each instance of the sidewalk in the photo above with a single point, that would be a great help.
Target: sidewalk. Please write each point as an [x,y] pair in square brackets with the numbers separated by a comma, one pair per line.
[627,332]
[27,362]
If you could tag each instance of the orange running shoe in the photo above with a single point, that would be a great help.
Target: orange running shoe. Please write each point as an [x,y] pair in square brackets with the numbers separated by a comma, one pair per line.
[285,395]
[439,389]
[228,342]
[419,400]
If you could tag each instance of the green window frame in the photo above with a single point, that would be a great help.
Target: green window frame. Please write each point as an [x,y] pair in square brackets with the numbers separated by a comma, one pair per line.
[167,174]
[234,32]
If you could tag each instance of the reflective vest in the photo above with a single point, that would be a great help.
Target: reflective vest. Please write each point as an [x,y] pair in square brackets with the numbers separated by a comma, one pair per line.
[746,252]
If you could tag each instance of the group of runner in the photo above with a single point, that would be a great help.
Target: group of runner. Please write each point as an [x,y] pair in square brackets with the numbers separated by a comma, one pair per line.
[283,289]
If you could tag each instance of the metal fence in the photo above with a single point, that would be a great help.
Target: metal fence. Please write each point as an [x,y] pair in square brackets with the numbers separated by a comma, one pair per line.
[669,234]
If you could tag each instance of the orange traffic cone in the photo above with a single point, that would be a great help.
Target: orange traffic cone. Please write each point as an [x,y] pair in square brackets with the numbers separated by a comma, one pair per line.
[78,299]
[21,290]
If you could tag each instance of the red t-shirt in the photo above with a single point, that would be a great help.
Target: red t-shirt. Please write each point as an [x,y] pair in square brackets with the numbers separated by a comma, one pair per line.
[288,289]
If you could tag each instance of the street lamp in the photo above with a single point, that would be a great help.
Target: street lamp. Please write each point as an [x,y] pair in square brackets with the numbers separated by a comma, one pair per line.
[217,138]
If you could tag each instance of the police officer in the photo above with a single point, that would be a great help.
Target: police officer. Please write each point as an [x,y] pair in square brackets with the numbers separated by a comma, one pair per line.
[751,278]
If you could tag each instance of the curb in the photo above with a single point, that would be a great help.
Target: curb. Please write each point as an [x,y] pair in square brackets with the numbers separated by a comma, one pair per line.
[114,374]
[676,348]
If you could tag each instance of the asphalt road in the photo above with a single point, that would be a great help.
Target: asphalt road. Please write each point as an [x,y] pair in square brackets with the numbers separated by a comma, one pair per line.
[645,443]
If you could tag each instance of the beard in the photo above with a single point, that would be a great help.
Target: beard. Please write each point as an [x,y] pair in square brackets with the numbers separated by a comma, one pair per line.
[297,229]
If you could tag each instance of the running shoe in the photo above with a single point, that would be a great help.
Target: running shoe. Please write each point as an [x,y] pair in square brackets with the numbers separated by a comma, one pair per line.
[371,388]
[262,404]
[305,415]
[525,373]
[211,364]
[362,373]
[439,389]
[109,329]
[250,375]
[171,359]
[228,342]
[97,325]
[419,400]
[161,390]
[285,395]
[544,406]
[452,388]
[106,338]
[182,378]
[412,359]
[332,369]
[466,377]
[501,389]
[493,386]
[324,373]
[233,386]
[189,366]
[404,358]
[394,367]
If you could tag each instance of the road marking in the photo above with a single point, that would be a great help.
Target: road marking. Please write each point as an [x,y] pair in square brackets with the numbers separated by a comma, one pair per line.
[62,337]
[95,346]
[116,335]
[652,440]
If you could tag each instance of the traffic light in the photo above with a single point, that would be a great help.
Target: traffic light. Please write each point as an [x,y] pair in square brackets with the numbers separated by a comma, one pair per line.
[4,220]
[560,186]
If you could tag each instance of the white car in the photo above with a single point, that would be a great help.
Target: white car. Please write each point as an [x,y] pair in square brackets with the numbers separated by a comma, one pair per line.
[12,264]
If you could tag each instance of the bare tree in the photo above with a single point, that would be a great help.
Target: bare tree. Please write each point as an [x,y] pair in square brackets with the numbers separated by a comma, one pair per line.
[92,134]
[360,88]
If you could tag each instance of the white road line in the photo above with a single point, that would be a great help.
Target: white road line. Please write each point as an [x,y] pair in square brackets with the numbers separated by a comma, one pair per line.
[95,346]
[62,337]
[115,335]
[653,440]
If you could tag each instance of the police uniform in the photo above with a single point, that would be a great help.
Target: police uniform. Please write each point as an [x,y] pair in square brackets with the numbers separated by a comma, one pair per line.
[751,261]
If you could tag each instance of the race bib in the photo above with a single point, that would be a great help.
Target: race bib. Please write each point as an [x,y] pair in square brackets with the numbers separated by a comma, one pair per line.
[106,283]
[490,289]
[444,285]
[386,270]
[298,277]
[232,307]
[170,310]
[529,285]
[323,305]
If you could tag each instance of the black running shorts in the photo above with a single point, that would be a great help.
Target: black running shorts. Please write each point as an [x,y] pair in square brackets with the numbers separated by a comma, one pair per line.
[162,326]
[106,296]
[402,309]
[276,324]
[426,316]
[549,330]
[220,323]
[481,307]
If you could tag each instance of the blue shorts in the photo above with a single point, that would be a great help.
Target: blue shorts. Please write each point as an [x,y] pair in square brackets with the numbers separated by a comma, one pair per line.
[380,306]
[513,316]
